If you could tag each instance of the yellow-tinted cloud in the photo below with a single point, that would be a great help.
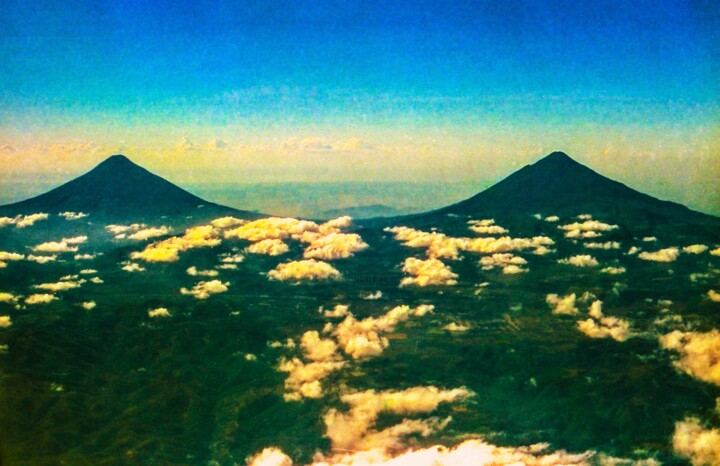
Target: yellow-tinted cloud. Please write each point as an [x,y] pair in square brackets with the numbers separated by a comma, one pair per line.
[73,215]
[582,260]
[714,296]
[89,305]
[194,272]
[318,349]
[562,306]
[697,443]
[159,313]
[168,250]
[663,255]
[613,270]
[303,379]
[304,270]
[22,221]
[334,246]
[699,353]
[203,290]
[270,247]
[427,272]
[486,227]
[58,247]
[40,299]
[695,249]
[600,326]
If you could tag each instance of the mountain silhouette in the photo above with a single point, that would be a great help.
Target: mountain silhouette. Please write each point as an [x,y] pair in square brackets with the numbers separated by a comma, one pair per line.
[558,185]
[119,189]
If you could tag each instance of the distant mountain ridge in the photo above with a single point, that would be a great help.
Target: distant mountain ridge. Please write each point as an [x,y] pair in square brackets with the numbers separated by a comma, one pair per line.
[119,189]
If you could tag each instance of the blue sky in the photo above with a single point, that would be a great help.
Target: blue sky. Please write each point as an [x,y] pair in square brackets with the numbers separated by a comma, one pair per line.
[145,75]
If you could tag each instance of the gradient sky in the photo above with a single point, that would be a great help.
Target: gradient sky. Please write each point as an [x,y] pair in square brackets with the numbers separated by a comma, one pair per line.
[363,90]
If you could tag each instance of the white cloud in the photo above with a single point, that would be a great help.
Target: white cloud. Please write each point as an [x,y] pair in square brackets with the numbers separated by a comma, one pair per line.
[84,256]
[88,271]
[22,221]
[73,215]
[699,353]
[8,297]
[372,296]
[606,245]
[613,270]
[693,441]
[649,239]
[318,349]
[304,270]
[456,327]
[41,259]
[695,249]
[334,246]
[303,380]
[60,286]
[599,326]
[270,247]
[340,310]
[40,299]
[193,271]
[580,261]
[203,290]
[132,267]
[715,252]
[57,247]
[354,430]
[663,255]
[10,256]
[633,250]
[159,312]
[486,227]
[147,233]
[552,218]
[97,280]
[89,305]
[270,457]
[227,222]
[427,272]
[168,250]
[120,230]
[564,305]
[5,321]
[501,260]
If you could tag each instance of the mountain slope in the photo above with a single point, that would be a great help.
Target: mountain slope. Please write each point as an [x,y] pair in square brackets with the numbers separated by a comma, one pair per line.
[558,185]
[119,189]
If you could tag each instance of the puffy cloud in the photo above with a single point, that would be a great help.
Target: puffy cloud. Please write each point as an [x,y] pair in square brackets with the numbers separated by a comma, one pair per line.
[486,227]
[599,326]
[193,271]
[693,441]
[227,222]
[40,299]
[73,215]
[362,338]
[649,239]
[456,327]
[318,349]
[60,286]
[507,244]
[552,218]
[340,310]
[41,259]
[427,272]
[304,270]
[120,230]
[87,271]
[227,266]
[79,257]
[714,295]
[606,245]
[89,305]
[437,244]
[303,379]
[695,249]
[663,255]
[228,258]
[513,270]
[5,321]
[168,250]
[250,357]
[699,353]
[97,280]
[147,233]
[501,260]
[587,229]
[564,305]
[580,261]
[159,312]
[22,221]
[633,250]
[65,245]
[203,290]
[715,252]
[10,256]
[613,270]
[270,457]
[272,228]
[353,430]
[132,267]
[334,246]
[7,297]
[271,247]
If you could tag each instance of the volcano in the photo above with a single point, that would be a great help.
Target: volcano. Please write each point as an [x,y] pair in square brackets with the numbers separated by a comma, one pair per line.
[119,189]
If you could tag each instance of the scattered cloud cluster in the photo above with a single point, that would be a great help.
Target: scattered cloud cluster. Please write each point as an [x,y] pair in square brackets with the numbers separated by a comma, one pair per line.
[304,270]
[168,250]
[159,313]
[510,264]
[564,305]
[486,227]
[697,443]
[22,221]
[340,310]
[581,260]
[600,326]
[73,215]
[427,272]
[203,290]
[663,255]
[699,353]
[587,229]
[354,430]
